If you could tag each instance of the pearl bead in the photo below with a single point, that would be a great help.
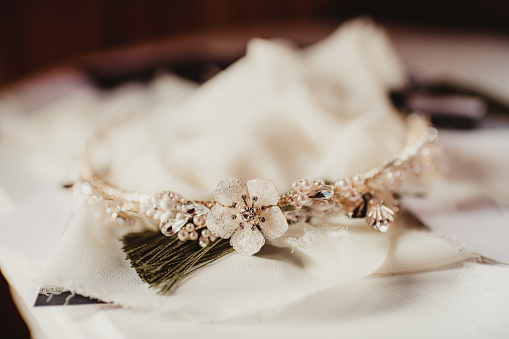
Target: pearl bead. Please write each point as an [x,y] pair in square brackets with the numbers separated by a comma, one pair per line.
[303,199]
[165,216]
[358,179]
[354,196]
[183,235]
[204,242]
[306,184]
[189,227]
[87,188]
[166,205]
[193,236]
[199,220]
[157,215]
[206,233]
[344,184]
[150,212]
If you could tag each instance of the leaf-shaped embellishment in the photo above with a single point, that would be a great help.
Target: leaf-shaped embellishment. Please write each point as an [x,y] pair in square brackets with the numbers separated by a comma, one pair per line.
[380,217]
[361,210]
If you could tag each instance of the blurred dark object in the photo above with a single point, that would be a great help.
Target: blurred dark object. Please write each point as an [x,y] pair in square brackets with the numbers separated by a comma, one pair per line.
[196,57]
[64,299]
[13,326]
[451,106]
[38,34]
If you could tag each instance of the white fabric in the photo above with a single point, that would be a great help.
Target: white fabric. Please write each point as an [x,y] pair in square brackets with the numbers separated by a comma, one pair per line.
[279,113]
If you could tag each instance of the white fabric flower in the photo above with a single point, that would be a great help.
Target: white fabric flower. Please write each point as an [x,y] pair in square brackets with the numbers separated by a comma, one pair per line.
[247,214]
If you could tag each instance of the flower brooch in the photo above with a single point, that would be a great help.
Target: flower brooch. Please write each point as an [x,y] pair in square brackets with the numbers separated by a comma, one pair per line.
[246,213]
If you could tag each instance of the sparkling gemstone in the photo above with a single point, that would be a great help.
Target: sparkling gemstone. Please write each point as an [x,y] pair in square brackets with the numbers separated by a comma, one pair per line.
[171,226]
[296,215]
[248,214]
[191,209]
[382,228]
[323,192]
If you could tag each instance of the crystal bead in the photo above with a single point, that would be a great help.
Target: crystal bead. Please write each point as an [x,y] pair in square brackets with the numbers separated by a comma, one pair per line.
[296,215]
[320,205]
[191,209]
[324,192]
[167,205]
[171,226]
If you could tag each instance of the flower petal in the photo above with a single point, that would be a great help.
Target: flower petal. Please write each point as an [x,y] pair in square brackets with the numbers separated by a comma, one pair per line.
[264,191]
[220,221]
[275,223]
[229,191]
[247,240]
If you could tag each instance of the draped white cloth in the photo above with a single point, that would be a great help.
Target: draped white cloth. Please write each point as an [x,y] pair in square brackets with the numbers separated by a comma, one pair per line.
[278,113]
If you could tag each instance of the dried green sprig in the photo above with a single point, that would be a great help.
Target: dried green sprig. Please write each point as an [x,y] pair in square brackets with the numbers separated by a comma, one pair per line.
[163,261]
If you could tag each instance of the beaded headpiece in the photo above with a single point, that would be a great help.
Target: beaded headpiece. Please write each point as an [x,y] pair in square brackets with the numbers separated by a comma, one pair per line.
[192,233]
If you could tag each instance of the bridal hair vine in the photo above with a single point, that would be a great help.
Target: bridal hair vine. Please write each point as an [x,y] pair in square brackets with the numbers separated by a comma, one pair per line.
[182,235]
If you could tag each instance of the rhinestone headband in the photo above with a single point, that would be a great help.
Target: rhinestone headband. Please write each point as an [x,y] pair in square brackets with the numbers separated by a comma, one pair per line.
[249,212]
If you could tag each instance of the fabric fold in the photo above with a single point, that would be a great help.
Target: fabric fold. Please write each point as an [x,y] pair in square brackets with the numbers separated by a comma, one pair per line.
[278,113]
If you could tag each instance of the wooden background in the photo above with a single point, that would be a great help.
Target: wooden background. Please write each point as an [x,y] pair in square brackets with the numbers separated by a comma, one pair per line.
[37,34]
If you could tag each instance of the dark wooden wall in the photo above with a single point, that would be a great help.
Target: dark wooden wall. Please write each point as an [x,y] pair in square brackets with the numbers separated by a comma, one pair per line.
[35,34]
